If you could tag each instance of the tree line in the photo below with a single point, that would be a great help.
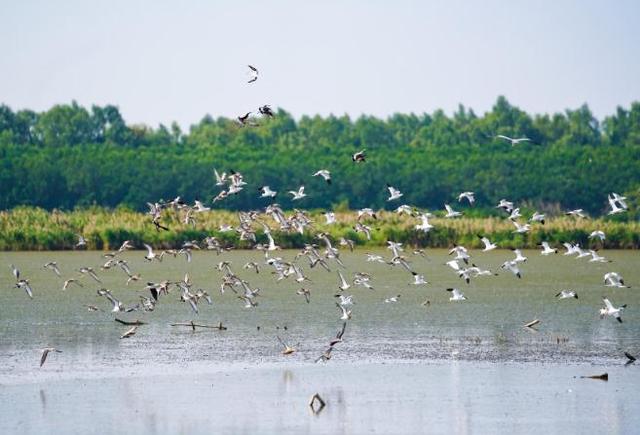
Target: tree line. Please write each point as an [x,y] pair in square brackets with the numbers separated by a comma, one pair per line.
[70,156]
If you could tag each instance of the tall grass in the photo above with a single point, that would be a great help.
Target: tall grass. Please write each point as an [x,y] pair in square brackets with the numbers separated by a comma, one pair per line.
[26,228]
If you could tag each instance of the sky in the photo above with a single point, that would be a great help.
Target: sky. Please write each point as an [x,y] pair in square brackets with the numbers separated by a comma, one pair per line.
[163,61]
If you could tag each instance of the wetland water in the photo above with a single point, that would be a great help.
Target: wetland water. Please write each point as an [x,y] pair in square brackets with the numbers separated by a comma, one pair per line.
[448,367]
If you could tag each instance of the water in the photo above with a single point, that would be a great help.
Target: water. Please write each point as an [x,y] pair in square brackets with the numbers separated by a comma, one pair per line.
[450,366]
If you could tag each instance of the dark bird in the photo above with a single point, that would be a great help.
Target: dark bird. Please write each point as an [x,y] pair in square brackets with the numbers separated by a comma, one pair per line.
[45,353]
[243,119]
[266,111]
[358,157]
[253,74]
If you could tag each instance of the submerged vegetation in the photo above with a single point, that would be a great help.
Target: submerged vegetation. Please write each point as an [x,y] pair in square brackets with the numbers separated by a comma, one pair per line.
[27,228]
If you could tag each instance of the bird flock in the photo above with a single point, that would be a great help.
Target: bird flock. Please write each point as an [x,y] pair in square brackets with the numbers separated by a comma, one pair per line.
[326,254]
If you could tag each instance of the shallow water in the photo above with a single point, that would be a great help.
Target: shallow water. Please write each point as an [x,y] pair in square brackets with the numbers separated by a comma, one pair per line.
[451,366]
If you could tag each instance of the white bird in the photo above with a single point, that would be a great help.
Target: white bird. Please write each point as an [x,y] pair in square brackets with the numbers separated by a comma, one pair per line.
[199,207]
[546,249]
[521,229]
[70,281]
[82,242]
[150,254]
[24,284]
[346,314]
[614,279]
[253,74]
[52,265]
[519,257]
[324,174]
[330,217]
[515,214]
[392,299]
[375,257]
[620,200]
[566,294]
[419,280]
[488,246]
[359,157]
[456,295]
[469,196]
[220,179]
[597,258]
[451,213]
[393,193]
[571,249]
[454,265]
[15,271]
[610,310]
[299,194]
[615,209]
[267,192]
[512,140]
[345,300]
[537,217]
[578,212]
[344,285]
[506,205]
[424,225]
[512,267]
[45,353]
[597,234]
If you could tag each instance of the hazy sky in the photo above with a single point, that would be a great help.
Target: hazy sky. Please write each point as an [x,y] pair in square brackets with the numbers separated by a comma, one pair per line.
[161,61]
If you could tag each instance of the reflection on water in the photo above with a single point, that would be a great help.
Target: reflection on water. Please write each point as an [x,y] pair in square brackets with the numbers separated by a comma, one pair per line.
[400,361]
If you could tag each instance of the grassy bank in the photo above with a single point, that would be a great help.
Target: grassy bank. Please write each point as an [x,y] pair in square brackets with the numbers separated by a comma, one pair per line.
[26,228]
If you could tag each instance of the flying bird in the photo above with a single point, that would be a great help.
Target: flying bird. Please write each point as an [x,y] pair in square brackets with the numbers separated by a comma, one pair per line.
[512,140]
[45,353]
[359,156]
[253,74]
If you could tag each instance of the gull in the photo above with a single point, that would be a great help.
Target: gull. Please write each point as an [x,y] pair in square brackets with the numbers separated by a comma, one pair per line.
[324,174]
[266,111]
[248,302]
[571,249]
[456,295]
[506,205]
[129,332]
[566,294]
[366,212]
[488,246]
[392,299]
[597,234]
[630,358]
[135,277]
[45,353]
[272,244]
[347,242]
[581,252]
[15,271]
[404,208]
[220,196]
[326,355]
[266,192]
[53,266]
[515,214]
[125,246]
[520,228]
[252,265]
[359,156]
[512,140]
[537,217]
[299,194]
[24,284]
[304,292]
[220,179]
[253,74]
[346,314]
[70,281]
[578,212]
[546,249]
[610,310]
[620,200]
[331,218]
[344,285]
[363,280]
[453,264]
[345,300]
[512,266]
[393,193]
[614,207]
[82,242]
[117,305]
[362,228]
[339,335]
[419,280]
[597,258]
[150,254]
[519,257]
[461,253]
[187,254]
[288,350]
[89,271]
[450,212]
[299,275]
[424,225]
[469,196]
[199,207]
[613,279]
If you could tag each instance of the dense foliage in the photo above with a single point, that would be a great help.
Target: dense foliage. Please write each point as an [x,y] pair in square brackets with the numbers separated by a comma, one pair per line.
[69,156]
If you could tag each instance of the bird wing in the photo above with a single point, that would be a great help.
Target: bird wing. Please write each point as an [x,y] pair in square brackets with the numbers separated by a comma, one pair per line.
[607,303]
[43,358]
[341,331]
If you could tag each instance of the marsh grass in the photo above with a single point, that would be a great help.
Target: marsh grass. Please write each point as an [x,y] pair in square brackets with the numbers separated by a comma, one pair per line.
[27,228]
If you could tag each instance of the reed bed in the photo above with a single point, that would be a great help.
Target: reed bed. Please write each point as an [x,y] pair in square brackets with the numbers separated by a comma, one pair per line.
[27,228]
